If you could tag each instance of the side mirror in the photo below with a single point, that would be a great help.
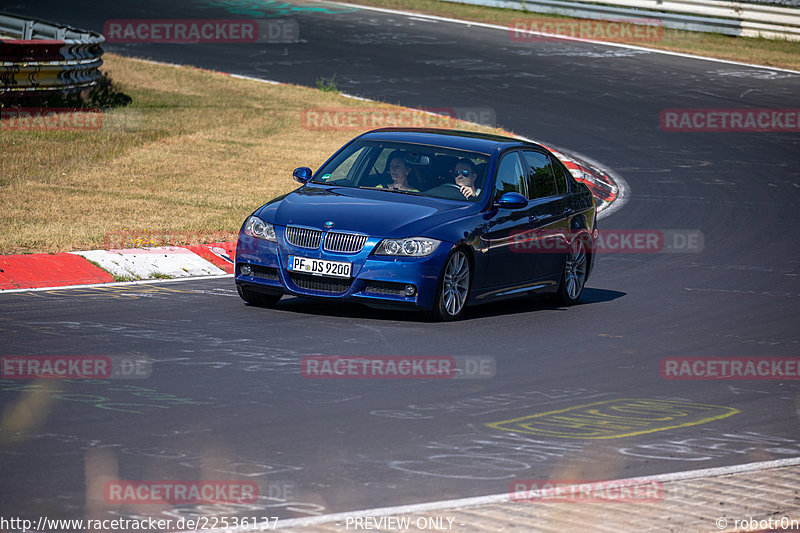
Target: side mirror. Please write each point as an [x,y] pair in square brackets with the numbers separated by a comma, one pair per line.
[511,200]
[302,175]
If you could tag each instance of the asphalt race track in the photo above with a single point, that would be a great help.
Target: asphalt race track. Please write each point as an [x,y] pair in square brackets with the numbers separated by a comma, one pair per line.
[226,399]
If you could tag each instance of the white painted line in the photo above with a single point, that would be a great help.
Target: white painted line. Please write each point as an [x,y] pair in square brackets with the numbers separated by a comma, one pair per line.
[154,62]
[178,65]
[505,497]
[115,284]
[261,80]
[359,98]
[566,38]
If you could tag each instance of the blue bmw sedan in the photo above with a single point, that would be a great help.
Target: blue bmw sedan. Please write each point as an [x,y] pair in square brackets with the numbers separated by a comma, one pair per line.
[433,220]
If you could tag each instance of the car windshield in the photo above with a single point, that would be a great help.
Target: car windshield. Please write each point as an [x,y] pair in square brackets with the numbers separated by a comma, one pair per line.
[408,168]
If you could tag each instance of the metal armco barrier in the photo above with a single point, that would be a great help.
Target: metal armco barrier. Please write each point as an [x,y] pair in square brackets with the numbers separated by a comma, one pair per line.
[715,16]
[40,56]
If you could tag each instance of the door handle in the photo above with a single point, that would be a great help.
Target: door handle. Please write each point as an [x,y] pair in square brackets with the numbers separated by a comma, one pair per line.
[538,218]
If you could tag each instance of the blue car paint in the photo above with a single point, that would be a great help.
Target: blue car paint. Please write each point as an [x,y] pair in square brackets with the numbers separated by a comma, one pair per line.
[389,215]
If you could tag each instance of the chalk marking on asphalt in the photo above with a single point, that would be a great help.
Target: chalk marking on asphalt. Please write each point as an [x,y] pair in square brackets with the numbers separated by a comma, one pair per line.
[565,37]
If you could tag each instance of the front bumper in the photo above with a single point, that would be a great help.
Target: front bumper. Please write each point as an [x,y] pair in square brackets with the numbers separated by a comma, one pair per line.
[378,281]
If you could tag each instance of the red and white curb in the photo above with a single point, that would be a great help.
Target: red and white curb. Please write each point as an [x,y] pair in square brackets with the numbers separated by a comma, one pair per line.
[143,263]
[24,272]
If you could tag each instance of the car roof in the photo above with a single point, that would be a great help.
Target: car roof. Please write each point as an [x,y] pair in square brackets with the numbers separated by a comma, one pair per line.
[460,140]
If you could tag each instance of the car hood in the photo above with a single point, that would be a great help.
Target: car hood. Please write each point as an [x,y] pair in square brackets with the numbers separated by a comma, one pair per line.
[374,212]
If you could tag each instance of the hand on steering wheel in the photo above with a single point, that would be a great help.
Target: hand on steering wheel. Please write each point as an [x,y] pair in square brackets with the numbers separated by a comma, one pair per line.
[466,191]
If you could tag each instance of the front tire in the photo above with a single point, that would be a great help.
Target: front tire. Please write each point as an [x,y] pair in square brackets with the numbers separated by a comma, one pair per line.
[258,299]
[451,296]
[573,278]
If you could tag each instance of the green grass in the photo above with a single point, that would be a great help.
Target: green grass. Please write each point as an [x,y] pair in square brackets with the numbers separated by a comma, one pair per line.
[327,84]
[116,277]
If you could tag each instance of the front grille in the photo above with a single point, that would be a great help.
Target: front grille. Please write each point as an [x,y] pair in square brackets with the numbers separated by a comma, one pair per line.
[348,243]
[303,238]
[320,284]
[386,287]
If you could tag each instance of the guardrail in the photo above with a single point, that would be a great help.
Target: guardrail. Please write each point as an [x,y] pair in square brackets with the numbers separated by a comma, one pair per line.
[715,16]
[41,56]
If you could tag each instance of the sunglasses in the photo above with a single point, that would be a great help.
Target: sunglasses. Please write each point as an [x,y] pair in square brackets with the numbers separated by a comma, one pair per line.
[458,173]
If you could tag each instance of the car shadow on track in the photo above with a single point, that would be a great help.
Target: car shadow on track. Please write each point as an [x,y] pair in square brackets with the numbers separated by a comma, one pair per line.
[308,306]
[529,305]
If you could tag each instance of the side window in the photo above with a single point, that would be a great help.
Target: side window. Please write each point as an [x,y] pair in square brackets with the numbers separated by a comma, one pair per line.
[561,177]
[510,176]
[541,181]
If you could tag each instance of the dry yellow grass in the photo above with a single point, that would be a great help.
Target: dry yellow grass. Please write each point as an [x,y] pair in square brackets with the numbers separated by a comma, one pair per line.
[195,151]
[769,52]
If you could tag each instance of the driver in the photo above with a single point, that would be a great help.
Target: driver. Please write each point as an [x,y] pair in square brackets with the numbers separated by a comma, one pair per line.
[465,175]
[400,172]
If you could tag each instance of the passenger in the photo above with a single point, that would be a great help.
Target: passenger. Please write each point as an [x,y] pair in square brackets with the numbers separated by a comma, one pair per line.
[399,171]
[465,175]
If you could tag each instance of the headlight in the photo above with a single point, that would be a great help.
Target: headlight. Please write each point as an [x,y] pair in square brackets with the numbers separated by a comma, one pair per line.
[255,227]
[413,246]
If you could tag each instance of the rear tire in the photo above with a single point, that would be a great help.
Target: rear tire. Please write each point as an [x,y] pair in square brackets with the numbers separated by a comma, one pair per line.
[259,299]
[573,279]
[453,291]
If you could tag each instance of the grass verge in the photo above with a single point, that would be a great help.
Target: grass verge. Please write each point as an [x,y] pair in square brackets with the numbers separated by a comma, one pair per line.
[769,52]
[196,151]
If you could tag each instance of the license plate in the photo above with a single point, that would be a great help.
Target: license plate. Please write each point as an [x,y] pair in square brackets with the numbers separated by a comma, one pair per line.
[320,267]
